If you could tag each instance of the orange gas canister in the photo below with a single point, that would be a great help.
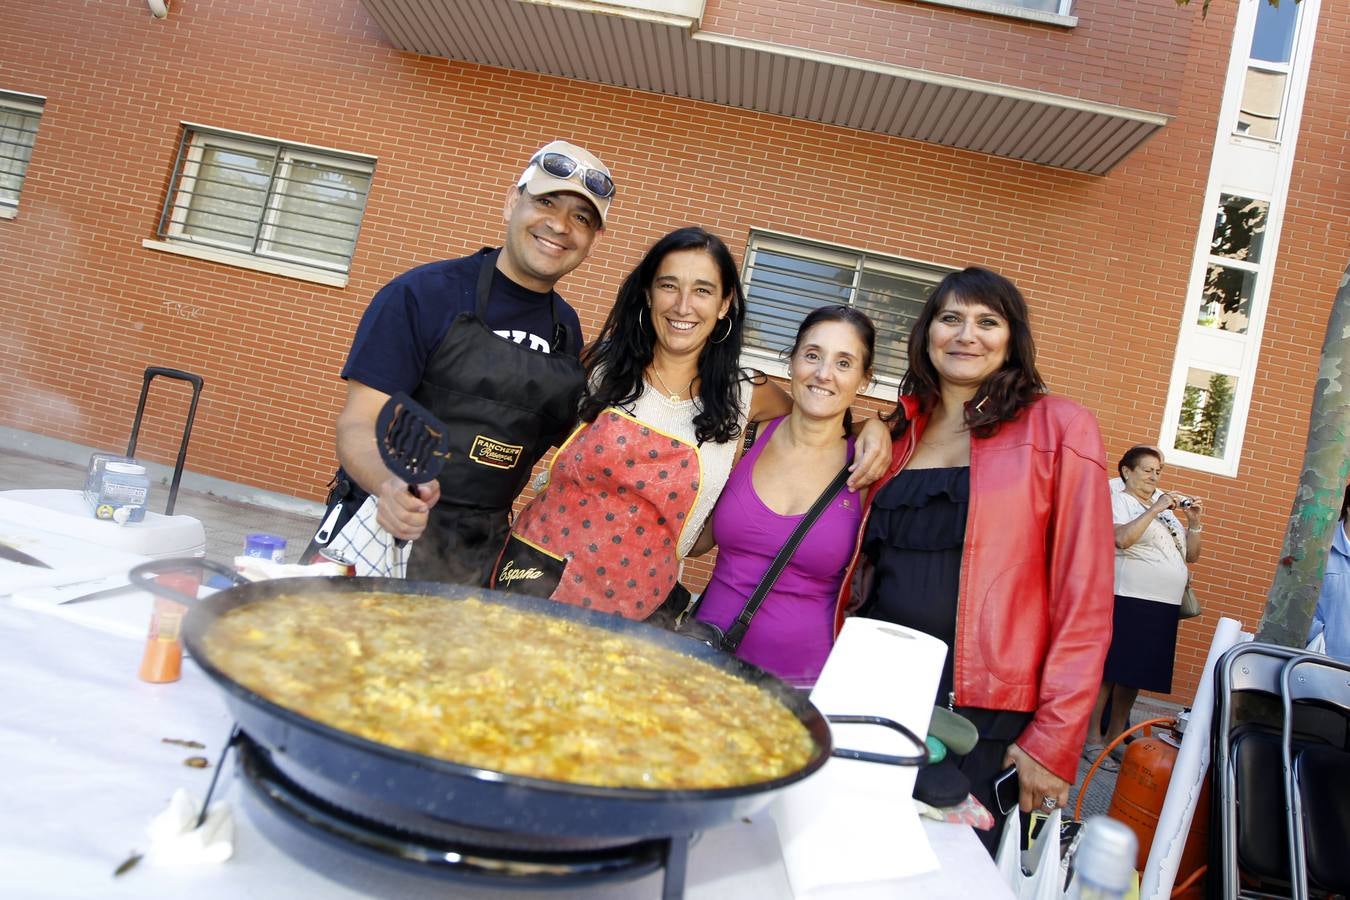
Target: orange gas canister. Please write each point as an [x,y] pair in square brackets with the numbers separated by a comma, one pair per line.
[1141,788]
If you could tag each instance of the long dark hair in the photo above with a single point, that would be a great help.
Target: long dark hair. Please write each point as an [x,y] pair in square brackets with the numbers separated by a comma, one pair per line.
[627,343]
[862,325]
[1004,394]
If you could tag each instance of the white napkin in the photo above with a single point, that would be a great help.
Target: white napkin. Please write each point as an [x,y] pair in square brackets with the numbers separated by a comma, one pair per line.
[255,568]
[174,841]
[854,823]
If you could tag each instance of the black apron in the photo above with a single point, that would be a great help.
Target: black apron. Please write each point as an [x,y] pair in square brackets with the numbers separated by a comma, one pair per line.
[505,405]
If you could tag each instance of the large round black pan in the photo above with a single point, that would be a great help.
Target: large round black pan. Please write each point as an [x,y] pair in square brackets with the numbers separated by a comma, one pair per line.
[338,764]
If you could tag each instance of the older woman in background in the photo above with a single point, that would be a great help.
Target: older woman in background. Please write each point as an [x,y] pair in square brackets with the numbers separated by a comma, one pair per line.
[991,532]
[777,480]
[1152,550]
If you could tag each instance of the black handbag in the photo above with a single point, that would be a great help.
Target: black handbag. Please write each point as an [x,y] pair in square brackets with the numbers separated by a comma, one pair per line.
[674,610]
[730,640]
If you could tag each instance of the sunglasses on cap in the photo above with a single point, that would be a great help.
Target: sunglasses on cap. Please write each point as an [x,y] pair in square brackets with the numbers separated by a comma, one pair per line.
[560,165]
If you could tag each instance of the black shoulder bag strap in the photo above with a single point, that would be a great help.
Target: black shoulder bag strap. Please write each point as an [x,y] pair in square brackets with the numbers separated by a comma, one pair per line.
[736,633]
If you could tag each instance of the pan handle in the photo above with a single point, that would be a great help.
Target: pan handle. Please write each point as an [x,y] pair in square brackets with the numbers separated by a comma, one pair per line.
[143,576]
[918,759]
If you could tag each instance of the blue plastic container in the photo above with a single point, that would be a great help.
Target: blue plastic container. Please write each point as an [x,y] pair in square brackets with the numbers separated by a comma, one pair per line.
[265,546]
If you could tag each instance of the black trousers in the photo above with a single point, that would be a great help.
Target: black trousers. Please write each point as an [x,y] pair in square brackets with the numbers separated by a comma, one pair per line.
[998,729]
[460,545]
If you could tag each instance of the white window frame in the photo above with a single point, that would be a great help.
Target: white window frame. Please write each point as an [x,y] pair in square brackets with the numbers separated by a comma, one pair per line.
[27,106]
[1251,167]
[772,362]
[1265,65]
[1257,269]
[1260,65]
[265,253]
[1062,15]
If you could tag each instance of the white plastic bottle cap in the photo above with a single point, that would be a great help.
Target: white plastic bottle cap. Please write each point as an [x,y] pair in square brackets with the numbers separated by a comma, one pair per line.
[1106,854]
[122,468]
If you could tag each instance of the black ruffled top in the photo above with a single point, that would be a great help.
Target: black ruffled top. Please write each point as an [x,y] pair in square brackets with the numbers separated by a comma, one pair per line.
[914,538]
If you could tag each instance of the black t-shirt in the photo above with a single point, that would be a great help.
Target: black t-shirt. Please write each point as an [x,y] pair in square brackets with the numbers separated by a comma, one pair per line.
[409,317]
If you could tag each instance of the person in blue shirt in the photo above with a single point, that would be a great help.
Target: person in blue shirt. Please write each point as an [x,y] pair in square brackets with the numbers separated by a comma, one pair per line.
[1332,618]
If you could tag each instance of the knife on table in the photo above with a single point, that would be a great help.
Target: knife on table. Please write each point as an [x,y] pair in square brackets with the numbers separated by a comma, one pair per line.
[78,591]
[18,556]
[99,595]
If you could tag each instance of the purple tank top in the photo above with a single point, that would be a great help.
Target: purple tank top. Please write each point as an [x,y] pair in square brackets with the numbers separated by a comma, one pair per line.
[792,632]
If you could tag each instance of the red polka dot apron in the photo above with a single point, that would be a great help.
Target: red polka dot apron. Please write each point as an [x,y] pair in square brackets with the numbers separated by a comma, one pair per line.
[618,497]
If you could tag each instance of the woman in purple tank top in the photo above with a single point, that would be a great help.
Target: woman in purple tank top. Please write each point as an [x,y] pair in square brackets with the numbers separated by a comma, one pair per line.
[777,480]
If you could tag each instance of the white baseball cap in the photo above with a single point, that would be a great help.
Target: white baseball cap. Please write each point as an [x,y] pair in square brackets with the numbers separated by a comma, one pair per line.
[560,167]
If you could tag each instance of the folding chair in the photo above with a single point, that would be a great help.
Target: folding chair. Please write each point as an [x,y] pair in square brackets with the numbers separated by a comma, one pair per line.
[1317,779]
[1248,668]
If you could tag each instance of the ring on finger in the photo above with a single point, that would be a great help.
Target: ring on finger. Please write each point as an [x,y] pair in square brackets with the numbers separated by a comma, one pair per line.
[1049,803]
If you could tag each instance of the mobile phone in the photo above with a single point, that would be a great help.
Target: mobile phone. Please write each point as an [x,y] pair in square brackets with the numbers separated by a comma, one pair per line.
[1007,790]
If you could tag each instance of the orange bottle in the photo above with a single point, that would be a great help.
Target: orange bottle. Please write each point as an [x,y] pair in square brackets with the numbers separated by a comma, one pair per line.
[163,658]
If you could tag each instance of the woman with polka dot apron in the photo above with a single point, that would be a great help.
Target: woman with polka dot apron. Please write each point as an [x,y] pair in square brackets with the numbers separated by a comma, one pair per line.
[628,493]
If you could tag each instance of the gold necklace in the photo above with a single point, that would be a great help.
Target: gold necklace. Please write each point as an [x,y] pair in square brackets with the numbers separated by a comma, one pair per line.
[674,397]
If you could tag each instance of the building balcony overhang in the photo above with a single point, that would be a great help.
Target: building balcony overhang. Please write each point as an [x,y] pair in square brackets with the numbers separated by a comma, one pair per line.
[657,46]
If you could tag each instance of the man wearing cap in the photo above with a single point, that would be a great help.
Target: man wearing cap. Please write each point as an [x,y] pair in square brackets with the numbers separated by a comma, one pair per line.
[487,345]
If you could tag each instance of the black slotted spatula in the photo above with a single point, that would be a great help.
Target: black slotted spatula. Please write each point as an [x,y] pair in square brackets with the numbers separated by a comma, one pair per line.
[414,444]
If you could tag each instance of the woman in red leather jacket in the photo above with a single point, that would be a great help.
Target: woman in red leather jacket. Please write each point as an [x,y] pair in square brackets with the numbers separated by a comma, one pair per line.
[992,532]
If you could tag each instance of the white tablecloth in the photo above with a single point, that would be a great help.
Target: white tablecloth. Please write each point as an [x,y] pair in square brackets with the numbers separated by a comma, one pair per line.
[86,770]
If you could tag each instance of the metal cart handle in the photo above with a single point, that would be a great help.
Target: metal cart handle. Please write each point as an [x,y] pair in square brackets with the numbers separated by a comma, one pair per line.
[196,381]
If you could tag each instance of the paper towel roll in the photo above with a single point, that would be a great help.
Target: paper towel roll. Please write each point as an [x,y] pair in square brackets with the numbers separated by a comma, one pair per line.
[1188,773]
[854,822]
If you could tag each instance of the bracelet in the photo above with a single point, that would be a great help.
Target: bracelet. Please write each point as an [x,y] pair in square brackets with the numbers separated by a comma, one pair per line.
[1195,529]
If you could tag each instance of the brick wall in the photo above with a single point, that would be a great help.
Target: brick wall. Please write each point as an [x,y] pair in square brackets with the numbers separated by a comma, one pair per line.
[84,307]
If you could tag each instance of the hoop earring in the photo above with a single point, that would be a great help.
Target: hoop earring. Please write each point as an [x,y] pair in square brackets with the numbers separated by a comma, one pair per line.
[641,326]
[727,335]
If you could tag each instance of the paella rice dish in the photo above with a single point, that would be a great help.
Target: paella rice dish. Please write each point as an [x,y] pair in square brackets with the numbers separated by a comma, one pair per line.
[488,685]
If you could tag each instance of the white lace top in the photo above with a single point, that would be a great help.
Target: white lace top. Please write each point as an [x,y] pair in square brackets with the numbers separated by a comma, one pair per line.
[677,418]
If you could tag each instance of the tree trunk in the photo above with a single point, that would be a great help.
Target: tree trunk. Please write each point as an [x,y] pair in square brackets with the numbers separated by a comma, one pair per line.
[1326,463]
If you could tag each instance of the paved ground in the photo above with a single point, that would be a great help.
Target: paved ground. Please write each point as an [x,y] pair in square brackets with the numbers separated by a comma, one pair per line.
[1103,784]
[226,522]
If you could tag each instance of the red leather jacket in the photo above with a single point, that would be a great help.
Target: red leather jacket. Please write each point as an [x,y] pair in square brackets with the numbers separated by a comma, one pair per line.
[1034,607]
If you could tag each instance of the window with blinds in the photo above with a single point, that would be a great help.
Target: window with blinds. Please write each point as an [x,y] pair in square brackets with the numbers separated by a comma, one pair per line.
[19,115]
[289,202]
[785,278]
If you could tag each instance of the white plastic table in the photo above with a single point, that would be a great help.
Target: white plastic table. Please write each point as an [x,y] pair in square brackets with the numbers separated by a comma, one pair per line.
[86,770]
